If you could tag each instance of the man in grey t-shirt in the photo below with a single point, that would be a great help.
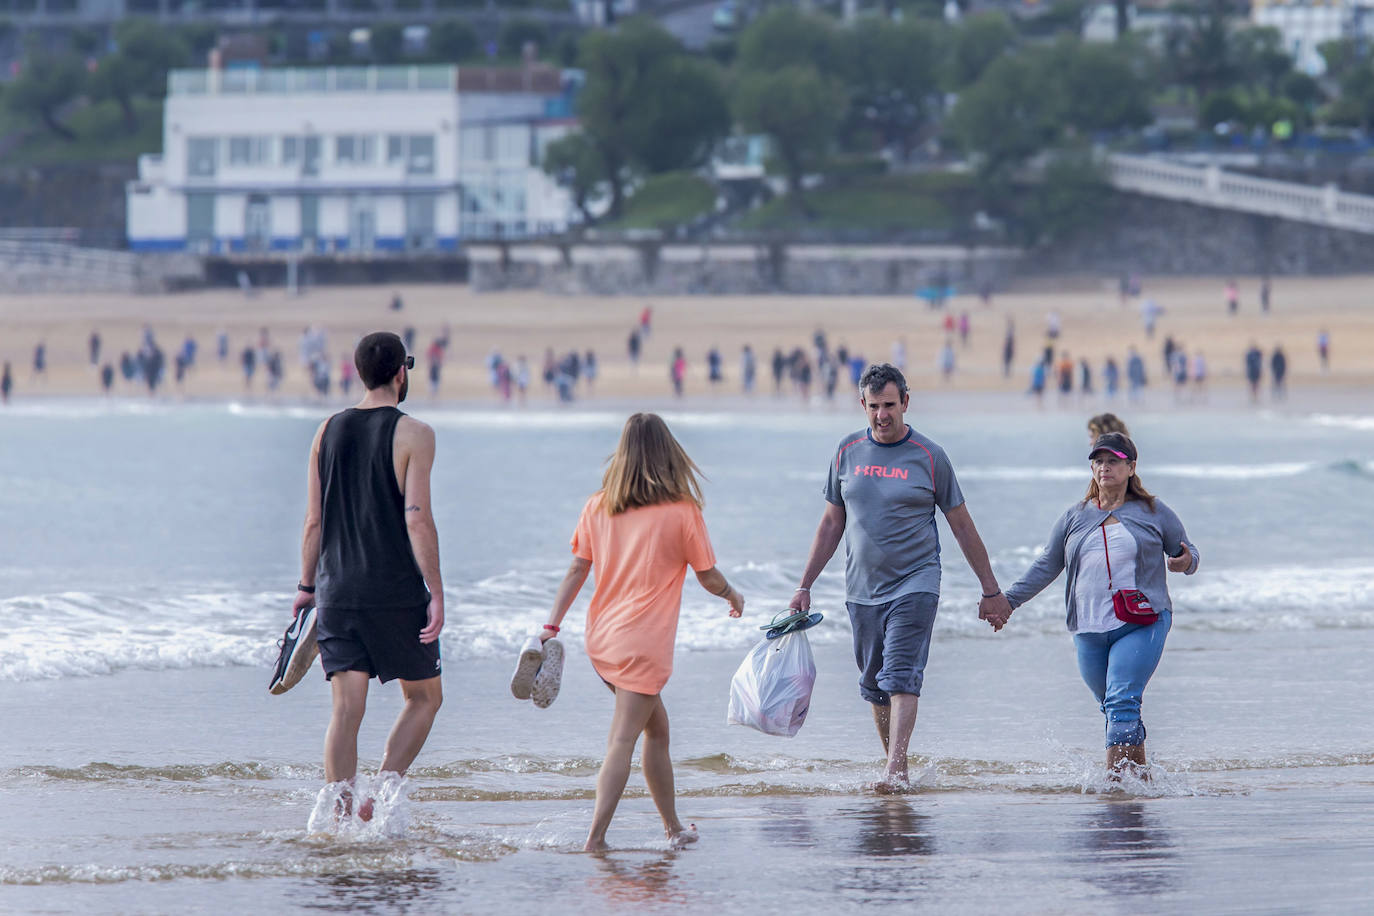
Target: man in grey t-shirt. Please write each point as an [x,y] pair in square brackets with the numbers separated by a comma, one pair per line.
[882,490]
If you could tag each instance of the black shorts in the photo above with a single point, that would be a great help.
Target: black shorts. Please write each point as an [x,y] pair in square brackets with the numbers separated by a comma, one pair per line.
[384,642]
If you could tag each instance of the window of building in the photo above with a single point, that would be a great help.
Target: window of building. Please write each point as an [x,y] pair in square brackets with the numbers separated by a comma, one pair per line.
[290,150]
[201,156]
[245,151]
[395,149]
[355,149]
[420,155]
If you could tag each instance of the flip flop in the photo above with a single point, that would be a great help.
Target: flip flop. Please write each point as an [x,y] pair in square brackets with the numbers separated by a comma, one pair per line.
[793,622]
[526,667]
[550,675]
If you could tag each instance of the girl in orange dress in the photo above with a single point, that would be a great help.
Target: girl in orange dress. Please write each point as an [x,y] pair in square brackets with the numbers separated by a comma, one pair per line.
[641,531]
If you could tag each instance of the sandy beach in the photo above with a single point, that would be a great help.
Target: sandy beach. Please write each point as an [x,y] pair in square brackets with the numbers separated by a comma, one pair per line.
[1095,324]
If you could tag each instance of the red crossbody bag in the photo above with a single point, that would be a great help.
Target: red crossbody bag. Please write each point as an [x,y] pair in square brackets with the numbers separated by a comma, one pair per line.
[1129,604]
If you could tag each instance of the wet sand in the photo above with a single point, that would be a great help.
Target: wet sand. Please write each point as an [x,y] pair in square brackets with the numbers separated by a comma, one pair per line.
[1095,324]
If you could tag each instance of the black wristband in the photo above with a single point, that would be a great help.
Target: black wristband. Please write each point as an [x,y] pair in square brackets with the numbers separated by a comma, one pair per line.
[308,589]
[993,595]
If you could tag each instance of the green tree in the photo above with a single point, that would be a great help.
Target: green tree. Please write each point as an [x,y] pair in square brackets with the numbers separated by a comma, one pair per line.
[1354,106]
[386,42]
[1260,58]
[616,101]
[975,44]
[785,37]
[44,85]
[800,110]
[1095,86]
[1341,56]
[575,164]
[1199,52]
[682,116]
[1009,115]
[893,75]
[453,40]
[144,53]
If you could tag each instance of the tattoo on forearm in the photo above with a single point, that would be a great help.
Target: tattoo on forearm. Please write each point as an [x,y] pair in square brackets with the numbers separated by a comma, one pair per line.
[412,508]
[724,592]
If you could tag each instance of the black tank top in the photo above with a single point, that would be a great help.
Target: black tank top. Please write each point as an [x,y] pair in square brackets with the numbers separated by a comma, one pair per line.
[365,555]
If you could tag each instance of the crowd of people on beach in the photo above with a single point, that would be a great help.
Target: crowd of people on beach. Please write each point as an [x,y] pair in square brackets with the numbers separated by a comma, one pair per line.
[812,373]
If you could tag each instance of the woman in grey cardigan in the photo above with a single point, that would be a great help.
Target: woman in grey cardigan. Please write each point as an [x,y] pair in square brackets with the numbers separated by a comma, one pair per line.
[1119,537]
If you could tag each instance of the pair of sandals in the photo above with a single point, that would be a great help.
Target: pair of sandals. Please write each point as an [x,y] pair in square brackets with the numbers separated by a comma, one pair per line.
[538,672]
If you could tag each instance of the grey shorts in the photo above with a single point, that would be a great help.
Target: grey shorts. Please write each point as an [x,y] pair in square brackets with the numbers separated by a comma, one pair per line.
[891,642]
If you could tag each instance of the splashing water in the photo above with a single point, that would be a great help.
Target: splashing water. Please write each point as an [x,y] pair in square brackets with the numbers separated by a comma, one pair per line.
[339,805]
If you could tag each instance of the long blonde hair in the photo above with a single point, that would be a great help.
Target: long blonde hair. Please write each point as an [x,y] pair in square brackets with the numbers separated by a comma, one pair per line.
[648,467]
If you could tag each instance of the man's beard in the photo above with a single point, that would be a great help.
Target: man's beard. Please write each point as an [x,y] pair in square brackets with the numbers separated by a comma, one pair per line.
[405,387]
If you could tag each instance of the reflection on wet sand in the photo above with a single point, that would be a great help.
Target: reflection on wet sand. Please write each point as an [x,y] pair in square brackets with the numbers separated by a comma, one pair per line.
[633,878]
[1126,833]
[378,891]
[786,823]
[892,827]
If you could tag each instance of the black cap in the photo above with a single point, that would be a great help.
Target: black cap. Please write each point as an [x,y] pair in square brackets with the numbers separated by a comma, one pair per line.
[1118,444]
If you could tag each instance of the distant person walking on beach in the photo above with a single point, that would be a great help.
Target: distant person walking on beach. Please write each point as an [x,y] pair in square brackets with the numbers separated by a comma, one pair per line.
[748,369]
[1264,295]
[947,360]
[1135,375]
[1111,377]
[1198,370]
[1065,372]
[646,320]
[677,371]
[1232,297]
[640,532]
[434,358]
[963,329]
[1039,378]
[1254,370]
[1324,349]
[632,345]
[1008,349]
[6,384]
[1085,377]
[370,563]
[1278,372]
[1117,539]
[93,346]
[713,367]
[779,366]
[884,485]
[1150,311]
[40,360]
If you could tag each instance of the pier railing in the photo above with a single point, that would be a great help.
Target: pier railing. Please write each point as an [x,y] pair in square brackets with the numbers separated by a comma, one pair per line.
[1211,186]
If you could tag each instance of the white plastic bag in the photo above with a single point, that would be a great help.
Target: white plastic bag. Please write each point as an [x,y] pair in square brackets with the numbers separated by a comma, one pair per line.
[771,691]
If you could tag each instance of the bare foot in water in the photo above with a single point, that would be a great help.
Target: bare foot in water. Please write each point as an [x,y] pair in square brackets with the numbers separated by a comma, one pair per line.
[892,784]
[365,810]
[595,846]
[681,837]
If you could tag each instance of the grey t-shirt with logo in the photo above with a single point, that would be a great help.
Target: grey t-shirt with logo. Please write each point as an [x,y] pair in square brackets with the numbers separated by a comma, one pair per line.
[889,493]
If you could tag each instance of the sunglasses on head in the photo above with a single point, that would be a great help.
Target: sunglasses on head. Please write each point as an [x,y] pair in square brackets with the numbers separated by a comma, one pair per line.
[409,362]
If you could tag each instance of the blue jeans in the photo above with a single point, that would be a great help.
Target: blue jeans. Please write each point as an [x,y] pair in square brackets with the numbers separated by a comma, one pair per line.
[1116,666]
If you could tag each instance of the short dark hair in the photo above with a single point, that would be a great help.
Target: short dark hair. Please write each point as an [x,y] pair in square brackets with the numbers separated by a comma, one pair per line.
[379,357]
[877,376]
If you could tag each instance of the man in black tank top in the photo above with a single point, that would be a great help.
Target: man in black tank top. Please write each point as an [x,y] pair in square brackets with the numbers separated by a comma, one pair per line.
[370,562]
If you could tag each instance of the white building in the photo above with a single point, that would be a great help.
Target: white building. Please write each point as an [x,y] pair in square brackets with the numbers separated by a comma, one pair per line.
[356,160]
[1308,24]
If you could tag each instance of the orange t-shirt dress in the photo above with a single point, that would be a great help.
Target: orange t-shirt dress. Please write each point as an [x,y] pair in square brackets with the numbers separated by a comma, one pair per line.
[640,558]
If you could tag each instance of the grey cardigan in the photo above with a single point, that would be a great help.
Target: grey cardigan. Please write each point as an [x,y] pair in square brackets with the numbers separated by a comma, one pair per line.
[1156,533]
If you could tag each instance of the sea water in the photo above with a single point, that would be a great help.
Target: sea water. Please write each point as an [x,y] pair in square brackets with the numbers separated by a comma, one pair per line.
[148,554]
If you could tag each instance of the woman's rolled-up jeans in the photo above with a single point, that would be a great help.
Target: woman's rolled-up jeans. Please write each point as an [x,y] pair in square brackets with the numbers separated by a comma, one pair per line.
[1116,667]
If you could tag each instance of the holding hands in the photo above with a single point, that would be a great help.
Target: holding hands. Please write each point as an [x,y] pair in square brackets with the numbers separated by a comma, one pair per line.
[995,609]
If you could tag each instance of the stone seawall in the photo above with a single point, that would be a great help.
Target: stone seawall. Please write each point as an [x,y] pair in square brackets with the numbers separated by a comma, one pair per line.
[1152,236]
[733,269]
